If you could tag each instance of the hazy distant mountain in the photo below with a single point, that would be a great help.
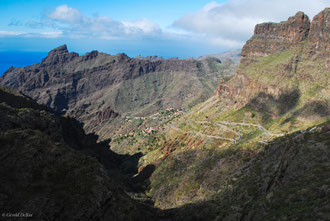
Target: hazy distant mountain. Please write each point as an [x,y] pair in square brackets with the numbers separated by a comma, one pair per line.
[234,55]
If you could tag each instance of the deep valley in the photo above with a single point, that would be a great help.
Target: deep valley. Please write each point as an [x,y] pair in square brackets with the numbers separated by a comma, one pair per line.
[110,137]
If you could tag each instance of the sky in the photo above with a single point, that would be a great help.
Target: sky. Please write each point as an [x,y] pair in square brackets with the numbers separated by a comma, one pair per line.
[169,28]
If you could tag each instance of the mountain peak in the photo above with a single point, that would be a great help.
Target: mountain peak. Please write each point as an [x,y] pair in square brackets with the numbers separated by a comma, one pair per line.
[59,50]
[296,28]
[59,55]
[298,15]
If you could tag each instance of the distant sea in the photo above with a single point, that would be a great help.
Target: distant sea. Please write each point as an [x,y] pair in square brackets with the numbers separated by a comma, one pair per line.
[19,59]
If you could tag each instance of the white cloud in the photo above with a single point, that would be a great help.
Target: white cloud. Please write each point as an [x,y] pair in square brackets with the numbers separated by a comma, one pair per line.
[65,14]
[220,26]
[11,33]
[53,34]
[141,25]
[74,24]
[233,22]
[28,34]
[226,43]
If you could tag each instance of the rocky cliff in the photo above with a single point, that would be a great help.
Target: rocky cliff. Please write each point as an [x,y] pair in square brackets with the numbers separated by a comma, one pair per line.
[270,37]
[283,65]
[319,35]
[97,87]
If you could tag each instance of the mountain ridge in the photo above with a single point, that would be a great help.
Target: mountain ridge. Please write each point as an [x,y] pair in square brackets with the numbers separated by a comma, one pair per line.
[82,86]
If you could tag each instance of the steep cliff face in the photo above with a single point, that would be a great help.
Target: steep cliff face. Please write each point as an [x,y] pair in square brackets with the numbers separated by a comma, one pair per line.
[320,35]
[283,60]
[82,86]
[270,38]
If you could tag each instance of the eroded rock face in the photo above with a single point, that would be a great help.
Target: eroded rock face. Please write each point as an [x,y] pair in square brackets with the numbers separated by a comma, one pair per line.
[320,27]
[320,35]
[106,114]
[275,37]
[244,89]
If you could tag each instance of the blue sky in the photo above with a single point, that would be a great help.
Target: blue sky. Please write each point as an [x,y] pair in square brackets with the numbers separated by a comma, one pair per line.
[161,12]
[171,28]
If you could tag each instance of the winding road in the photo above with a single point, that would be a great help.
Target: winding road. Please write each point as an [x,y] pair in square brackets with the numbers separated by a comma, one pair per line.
[225,125]
[253,125]
[196,133]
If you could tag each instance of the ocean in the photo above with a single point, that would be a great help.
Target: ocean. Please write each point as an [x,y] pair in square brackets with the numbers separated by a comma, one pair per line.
[19,59]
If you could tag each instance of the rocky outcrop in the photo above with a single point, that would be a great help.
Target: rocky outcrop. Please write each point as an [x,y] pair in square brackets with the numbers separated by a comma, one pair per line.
[271,38]
[59,56]
[105,115]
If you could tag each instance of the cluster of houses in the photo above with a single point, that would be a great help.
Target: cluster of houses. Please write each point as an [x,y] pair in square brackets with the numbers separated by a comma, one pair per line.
[154,116]
[149,130]
[130,134]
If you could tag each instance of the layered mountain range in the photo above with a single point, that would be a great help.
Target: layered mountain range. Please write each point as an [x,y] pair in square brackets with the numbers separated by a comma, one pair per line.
[97,87]
[256,149]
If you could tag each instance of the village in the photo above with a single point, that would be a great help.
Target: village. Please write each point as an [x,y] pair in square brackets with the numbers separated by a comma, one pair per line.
[155,120]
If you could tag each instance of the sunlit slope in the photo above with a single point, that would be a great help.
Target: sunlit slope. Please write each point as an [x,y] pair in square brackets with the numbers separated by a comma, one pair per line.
[278,98]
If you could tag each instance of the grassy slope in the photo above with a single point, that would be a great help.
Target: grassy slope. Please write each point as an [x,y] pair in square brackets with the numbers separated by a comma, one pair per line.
[295,70]
[152,92]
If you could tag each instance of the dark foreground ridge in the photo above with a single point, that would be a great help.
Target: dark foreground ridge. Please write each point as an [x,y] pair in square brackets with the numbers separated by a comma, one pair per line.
[52,170]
